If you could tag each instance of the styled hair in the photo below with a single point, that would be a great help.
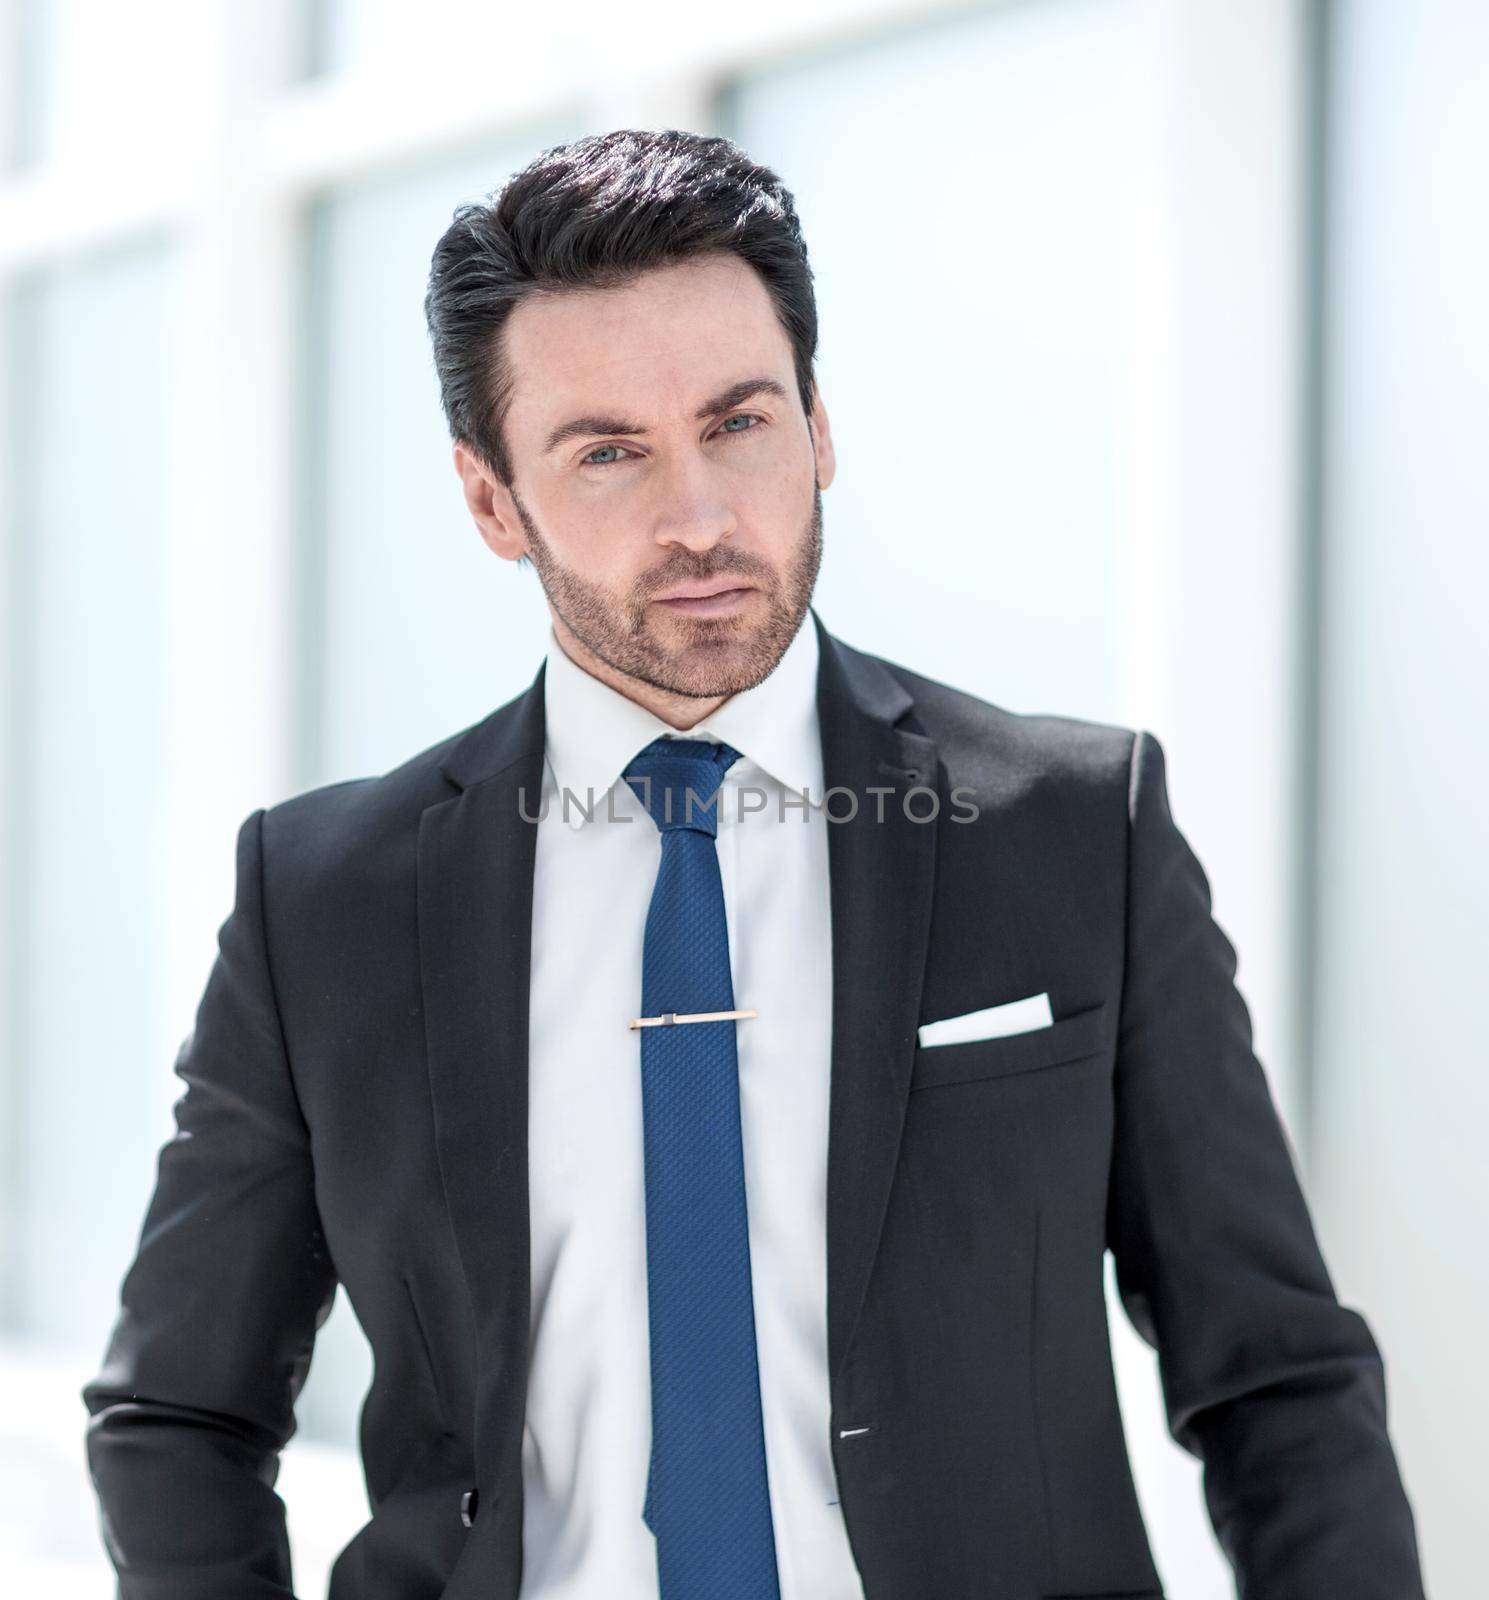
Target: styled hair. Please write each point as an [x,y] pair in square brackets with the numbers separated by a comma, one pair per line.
[596,213]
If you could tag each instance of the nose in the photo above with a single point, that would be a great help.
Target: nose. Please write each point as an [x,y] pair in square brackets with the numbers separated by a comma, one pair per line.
[694,511]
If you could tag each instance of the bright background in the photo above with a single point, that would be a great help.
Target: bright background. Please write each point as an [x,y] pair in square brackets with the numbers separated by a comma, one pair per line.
[1157,349]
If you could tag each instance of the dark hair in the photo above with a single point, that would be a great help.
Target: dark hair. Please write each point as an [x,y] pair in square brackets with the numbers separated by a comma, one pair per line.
[596,213]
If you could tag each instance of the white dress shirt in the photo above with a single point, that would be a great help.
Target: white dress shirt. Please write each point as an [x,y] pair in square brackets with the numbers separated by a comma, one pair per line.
[587,1436]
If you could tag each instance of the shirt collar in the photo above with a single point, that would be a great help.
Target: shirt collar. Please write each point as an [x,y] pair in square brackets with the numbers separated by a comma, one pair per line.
[593,731]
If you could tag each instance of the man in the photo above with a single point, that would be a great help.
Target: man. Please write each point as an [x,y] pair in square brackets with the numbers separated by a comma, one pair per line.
[717,1075]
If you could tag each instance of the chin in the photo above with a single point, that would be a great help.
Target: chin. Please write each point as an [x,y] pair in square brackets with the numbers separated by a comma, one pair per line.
[710,667]
[709,635]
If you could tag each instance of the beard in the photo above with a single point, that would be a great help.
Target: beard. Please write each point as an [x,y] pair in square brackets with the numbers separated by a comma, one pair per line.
[712,656]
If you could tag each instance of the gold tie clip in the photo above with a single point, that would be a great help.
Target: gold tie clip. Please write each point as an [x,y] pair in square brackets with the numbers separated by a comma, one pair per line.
[667,1018]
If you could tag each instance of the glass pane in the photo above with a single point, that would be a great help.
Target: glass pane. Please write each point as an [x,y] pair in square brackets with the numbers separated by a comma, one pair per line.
[963,189]
[1401,1095]
[92,396]
[339,33]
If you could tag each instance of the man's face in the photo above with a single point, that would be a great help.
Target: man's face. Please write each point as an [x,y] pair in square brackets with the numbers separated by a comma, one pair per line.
[659,449]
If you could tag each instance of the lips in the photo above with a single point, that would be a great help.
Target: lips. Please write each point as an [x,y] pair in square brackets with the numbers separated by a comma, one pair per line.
[704,589]
[711,597]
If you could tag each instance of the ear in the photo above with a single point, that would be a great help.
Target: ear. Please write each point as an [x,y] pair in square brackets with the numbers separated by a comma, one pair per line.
[490,504]
[827,464]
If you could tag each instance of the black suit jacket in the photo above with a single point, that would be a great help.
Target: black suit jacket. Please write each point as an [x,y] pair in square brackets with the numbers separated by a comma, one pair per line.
[355,1111]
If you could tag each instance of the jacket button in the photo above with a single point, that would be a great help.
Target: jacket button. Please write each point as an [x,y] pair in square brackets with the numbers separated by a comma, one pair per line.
[468,1502]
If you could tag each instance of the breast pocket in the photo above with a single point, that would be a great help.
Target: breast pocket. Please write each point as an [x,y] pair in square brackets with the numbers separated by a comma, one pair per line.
[1078,1037]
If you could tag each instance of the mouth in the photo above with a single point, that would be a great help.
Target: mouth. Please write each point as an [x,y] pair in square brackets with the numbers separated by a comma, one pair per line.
[713,597]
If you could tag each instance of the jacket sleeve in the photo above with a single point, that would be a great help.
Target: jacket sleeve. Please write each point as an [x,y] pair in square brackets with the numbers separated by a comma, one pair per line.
[220,1308]
[1274,1385]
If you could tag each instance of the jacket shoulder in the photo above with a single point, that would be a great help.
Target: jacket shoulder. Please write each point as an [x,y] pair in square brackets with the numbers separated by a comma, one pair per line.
[356,810]
[1001,750]
[363,829]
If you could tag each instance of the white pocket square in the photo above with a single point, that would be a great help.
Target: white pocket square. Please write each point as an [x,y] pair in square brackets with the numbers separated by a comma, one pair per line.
[992,1022]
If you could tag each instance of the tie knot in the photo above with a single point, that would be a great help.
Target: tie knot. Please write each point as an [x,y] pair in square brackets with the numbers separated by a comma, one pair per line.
[677,780]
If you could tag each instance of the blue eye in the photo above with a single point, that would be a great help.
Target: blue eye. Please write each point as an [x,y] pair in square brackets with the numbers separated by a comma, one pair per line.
[599,450]
[618,453]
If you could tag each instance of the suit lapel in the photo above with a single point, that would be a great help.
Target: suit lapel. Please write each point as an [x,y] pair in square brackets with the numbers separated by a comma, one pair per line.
[881,874]
[475,885]
[475,870]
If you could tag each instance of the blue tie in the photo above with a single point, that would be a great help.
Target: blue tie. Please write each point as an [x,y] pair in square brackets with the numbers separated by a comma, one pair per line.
[707,1498]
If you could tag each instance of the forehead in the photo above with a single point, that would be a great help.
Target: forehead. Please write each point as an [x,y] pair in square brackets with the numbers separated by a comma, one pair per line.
[666,337]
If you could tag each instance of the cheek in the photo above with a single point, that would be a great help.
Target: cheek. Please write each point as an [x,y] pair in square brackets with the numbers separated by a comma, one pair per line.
[587,526]
[608,543]
[777,486]
[780,509]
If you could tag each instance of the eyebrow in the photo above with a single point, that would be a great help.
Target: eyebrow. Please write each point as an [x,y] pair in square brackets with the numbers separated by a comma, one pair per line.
[726,400]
